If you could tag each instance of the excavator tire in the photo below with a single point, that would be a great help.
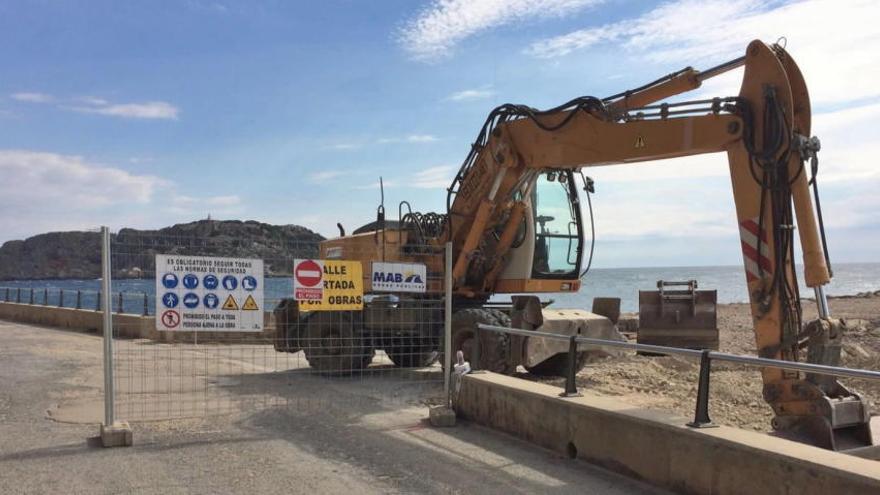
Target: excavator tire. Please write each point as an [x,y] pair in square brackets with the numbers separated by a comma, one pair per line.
[409,355]
[494,347]
[558,365]
[334,344]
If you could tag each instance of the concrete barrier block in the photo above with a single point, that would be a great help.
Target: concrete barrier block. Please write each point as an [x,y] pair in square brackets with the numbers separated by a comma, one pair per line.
[116,435]
[659,448]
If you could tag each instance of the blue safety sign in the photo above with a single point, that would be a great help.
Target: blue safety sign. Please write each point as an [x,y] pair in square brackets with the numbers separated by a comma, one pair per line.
[210,281]
[190,281]
[211,300]
[248,283]
[169,280]
[170,300]
[230,282]
[190,300]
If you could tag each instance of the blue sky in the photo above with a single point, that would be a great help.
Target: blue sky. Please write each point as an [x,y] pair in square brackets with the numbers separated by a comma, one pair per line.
[147,114]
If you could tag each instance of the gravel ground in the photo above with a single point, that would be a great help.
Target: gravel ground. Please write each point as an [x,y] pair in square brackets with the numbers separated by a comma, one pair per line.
[670,383]
[334,436]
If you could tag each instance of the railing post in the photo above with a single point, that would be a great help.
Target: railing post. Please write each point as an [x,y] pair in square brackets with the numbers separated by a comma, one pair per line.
[7,294]
[146,305]
[570,378]
[119,308]
[32,296]
[60,298]
[78,299]
[46,296]
[475,358]
[98,302]
[701,415]
[18,296]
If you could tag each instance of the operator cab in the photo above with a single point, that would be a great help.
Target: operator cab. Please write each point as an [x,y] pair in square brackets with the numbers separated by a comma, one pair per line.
[557,227]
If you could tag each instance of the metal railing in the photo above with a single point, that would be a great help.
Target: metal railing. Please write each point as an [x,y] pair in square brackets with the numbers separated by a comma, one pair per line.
[28,295]
[706,356]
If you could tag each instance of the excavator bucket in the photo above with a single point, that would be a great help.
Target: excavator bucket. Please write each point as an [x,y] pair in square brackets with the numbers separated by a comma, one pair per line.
[678,315]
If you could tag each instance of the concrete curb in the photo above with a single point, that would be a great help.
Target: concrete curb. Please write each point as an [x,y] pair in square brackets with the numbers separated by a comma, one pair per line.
[124,325]
[659,448]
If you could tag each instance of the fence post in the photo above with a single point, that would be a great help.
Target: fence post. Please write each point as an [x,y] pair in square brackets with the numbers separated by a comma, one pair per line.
[570,383]
[146,305]
[701,414]
[46,296]
[60,298]
[119,308]
[18,296]
[78,299]
[113,433]
[7,294]
[32,296]
[447,325]
[98,302]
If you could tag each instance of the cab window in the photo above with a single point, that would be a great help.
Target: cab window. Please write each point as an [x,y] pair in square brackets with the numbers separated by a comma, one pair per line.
[557,226]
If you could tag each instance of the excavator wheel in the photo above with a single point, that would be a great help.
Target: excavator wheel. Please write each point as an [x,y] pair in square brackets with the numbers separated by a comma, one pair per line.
[494,347]
[558,365]
[406,354]
[334,344]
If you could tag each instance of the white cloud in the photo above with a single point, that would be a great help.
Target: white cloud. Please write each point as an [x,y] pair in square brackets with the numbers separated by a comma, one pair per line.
[45,191]
[145,110]
[438,177]
[443,24]
[31,97]
[34,176]
[343,146]
[835,43]
[325,176]
[412,138]
[471,94]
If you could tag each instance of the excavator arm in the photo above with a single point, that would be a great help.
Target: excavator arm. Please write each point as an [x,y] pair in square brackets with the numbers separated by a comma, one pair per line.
[765,132]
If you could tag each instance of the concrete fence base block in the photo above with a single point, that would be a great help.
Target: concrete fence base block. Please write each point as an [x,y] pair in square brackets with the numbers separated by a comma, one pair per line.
[658,448]
[116,435]
[441,416]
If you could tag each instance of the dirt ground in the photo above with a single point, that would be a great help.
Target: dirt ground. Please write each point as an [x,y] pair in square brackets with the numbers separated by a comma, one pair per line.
[670,383]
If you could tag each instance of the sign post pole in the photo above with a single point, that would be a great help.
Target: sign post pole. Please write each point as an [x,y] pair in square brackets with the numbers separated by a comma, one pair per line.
[109,418]
[113,433]
[447,325]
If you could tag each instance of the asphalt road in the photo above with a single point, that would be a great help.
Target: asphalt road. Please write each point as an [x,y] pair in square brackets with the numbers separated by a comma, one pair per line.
[243,426]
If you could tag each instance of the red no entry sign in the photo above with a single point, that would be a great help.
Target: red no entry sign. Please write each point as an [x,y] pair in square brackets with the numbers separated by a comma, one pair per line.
[308,273]
[170,318]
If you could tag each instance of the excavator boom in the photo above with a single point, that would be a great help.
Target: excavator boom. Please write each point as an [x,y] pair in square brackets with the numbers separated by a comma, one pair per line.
[765,132]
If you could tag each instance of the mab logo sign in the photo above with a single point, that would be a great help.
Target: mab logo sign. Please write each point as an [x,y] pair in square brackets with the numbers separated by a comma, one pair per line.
[399,277]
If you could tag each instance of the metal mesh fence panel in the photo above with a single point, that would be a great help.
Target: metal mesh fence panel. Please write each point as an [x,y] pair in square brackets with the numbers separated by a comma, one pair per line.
[387,352]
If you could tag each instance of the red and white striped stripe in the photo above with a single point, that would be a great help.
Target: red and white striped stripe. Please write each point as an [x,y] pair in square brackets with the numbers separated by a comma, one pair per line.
[749,234]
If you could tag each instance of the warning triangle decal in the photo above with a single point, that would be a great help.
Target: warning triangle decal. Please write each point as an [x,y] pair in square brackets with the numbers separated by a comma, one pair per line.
[249,304]
[230,303]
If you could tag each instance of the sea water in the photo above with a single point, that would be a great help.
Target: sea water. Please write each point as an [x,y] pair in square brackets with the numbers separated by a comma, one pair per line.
[625,283]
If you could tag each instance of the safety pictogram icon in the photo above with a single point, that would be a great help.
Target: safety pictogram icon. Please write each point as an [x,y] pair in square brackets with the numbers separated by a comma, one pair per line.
[249,304]
[230,303]
[171,318]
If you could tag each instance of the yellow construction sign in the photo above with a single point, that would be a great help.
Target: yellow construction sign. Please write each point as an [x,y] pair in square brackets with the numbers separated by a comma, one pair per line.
[343,284]
[249,304]
[230,303]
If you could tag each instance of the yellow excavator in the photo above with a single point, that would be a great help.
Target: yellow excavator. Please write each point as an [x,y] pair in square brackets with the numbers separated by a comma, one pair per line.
[514,220]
